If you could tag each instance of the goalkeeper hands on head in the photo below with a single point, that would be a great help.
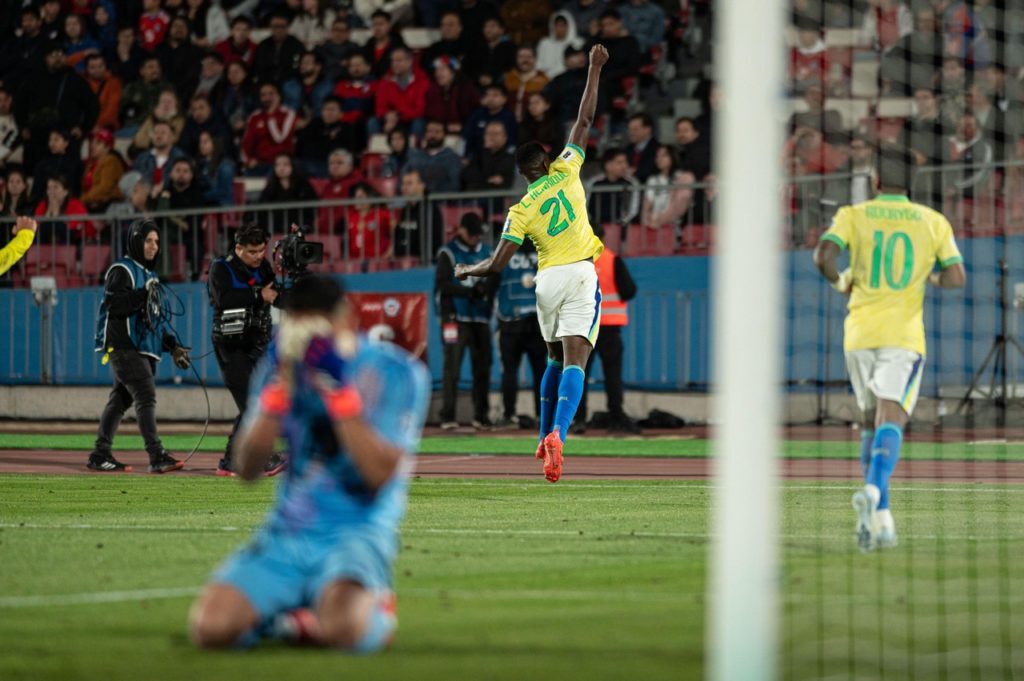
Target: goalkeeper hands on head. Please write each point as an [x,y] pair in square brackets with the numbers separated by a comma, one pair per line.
[328,367]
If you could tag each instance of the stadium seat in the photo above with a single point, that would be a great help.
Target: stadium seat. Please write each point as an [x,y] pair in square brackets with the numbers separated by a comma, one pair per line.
[864,79]
[451,214]
[612,238]
[895,107]
[95,260]
[49,258]
[387,186]
[844,37]
[643,241]
[696,240]
[372,165]
[179,263]
[852,111]
[378,144]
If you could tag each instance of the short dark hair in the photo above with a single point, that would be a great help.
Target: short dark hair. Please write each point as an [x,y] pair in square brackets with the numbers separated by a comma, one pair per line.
[381,13]
[216,56]
[315,293]
[496,19]
[93,56]
[279,14]
[453,13]
[644,118]
[495,86]
[611,13]
[251,234]
[527,46]
[270,83]
[60,178]
[472,223]
[529,155]
[688,119]
[571,49]
[895,167]
[333,99]
[612,153]
[241,19]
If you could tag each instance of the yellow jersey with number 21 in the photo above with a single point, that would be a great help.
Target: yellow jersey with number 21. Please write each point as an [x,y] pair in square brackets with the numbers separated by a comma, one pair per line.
[894,245]
[553,214]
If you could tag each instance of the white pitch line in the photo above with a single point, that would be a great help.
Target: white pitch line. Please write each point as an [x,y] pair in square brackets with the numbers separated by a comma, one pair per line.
[1011,488]
[449,459]
[91,598]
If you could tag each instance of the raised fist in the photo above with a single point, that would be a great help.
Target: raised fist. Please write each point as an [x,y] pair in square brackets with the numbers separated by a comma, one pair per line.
[598,55]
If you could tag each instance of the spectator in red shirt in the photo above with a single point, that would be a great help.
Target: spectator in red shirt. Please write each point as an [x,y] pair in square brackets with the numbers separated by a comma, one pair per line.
[368,225]
[401,96]
[356,94]
[808,60]
[152,24]
[342,177]
[58,201]
[885,22]
[450,97]
[268,132]
[818,157]
[239,47]
[383,41]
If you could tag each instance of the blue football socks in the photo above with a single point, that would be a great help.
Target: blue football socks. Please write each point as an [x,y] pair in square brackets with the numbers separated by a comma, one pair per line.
[570,391]
[549,396]
[885,452]
[867,441]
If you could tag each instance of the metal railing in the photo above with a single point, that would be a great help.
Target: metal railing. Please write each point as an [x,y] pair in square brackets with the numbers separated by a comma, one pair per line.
[388,233]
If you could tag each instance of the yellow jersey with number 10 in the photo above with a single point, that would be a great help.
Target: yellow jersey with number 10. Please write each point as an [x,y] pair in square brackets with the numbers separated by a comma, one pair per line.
[894,245]
[553,214]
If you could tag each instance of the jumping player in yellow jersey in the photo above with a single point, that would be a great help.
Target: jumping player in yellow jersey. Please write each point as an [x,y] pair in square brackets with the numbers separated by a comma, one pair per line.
[553,214]
[896,248]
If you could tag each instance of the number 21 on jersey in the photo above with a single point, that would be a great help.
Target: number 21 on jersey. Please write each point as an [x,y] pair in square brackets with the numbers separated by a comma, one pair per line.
[554,206]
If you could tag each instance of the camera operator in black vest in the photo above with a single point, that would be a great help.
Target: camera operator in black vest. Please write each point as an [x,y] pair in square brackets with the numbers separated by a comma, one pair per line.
[242,291]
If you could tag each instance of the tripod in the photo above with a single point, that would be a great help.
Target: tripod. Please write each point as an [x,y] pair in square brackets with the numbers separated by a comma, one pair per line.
[997,391]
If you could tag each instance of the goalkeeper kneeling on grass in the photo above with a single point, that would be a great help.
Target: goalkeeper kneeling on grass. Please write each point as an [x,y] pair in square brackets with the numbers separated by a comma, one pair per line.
[320,569]
[132,341]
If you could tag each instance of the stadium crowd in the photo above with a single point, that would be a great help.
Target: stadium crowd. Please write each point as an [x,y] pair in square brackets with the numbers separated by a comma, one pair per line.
[110,108]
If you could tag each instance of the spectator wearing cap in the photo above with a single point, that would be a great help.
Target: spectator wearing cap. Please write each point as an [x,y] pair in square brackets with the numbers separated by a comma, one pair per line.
[464,309]
[277,57]
[551,48]
[53,97]
[524,79]
[61,158]
[808,59]
[103,172]
[107,88]
[401,96]
[153,25]
[337,50]
[239,46]
[269,132]
[181,59]
[356,94]
[140,97]
[452,43]
[305,94]
[645,21]
[450,98]
[23,50]
[382,42]
[436,163]
[496,56]
[492,108]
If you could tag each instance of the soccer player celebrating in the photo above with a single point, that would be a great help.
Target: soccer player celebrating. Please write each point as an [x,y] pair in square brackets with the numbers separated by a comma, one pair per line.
[319,571]
[553,214]
[894,247]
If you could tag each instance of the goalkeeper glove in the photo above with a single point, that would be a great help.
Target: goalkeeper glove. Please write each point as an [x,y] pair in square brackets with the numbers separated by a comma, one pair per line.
[341,399]
[844,284]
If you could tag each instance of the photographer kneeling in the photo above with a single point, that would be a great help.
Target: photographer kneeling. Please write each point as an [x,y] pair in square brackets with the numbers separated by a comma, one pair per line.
[242,291]
[132,332]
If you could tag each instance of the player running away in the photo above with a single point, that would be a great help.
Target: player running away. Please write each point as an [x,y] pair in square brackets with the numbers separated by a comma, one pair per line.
[319,570]
[553,214]
[895,247]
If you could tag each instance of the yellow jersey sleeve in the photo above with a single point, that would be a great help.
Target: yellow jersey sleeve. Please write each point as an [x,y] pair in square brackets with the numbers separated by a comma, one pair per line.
[515,225]
[12,252]
[842,230]
[948,253]
[569,161]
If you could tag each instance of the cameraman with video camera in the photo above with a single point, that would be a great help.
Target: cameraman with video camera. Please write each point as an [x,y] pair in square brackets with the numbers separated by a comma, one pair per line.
[242,290]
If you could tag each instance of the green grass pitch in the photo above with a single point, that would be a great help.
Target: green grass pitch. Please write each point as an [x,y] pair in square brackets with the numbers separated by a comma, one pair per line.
[515,580]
